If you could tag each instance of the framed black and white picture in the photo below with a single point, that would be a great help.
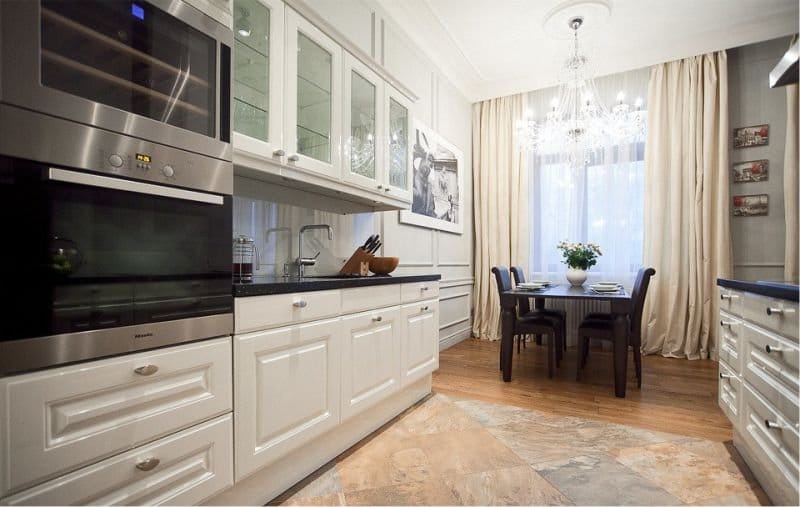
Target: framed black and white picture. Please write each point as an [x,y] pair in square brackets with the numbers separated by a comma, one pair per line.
[757,135]
[438,183]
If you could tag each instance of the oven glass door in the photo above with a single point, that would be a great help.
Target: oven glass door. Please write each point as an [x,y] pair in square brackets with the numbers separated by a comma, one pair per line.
[132,56]
[81,257]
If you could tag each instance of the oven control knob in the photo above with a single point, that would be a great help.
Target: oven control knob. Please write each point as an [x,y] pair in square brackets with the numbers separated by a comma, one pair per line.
[168,171]
[115,160]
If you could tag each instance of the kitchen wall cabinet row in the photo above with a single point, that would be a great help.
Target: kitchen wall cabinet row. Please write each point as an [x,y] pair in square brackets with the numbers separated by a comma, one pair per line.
[306,109]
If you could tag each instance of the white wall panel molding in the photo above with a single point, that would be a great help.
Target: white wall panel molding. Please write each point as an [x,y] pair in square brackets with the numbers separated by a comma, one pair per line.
[456,282]
[447,341]
[454,296]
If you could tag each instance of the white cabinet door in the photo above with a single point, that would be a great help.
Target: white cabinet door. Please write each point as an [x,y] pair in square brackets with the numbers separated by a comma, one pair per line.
[370,358]
[363,125]
[397,166]
[420,345]
[55,421]
[184,468]
[258,77]
[286,390]
[313,98]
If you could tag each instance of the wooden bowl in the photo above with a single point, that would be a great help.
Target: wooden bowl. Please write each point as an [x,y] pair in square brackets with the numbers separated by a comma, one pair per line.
[383,265]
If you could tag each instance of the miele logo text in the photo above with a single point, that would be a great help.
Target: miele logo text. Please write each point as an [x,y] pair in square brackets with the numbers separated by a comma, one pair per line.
[142,335]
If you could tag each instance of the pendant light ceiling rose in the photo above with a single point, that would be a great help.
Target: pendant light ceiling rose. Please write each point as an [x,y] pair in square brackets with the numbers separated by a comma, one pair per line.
[590,15]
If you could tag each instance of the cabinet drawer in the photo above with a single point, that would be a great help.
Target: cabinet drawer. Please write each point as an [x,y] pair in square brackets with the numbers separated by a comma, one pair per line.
[730,386]
[730,341]
[367,298]
[58,420]
[419,290]
[191,466]
[770,437]
[730,300]
[775,314]
[771,367]
[264,312]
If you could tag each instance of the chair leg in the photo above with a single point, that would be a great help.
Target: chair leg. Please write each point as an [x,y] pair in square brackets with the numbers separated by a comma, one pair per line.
[637,360]
[524,341]
[559,338]
[519,343]
[550,355]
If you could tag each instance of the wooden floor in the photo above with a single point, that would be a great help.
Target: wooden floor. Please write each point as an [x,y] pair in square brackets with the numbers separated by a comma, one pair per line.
[677,395]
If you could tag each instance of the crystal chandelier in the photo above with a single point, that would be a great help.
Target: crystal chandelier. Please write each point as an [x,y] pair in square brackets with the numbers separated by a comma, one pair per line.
[578,122]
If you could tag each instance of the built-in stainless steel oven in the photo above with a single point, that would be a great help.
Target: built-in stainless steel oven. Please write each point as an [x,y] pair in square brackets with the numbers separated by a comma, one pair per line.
[94,265]
[134,88]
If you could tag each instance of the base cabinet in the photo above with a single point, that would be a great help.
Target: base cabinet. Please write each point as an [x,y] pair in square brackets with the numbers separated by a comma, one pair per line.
[420,347]
[286,390]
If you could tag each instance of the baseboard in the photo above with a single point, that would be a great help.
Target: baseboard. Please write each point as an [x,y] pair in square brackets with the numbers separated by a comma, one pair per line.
[457,337]
[269,482]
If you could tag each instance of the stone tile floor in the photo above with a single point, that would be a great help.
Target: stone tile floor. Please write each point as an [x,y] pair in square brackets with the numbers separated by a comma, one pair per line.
[445,451]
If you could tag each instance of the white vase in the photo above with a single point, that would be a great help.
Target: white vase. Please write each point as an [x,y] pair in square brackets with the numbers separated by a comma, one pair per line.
[576,277]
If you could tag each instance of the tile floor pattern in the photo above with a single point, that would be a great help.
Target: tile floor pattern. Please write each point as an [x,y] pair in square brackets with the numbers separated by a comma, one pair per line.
[444,451]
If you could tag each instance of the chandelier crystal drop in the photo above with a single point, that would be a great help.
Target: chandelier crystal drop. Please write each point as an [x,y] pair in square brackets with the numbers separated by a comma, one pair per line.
[578,122]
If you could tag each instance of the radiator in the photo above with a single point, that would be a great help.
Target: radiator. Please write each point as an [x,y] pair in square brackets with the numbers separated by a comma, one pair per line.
[576,309]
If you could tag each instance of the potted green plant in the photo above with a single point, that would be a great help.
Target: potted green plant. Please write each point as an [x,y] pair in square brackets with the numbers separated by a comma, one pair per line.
[579,258]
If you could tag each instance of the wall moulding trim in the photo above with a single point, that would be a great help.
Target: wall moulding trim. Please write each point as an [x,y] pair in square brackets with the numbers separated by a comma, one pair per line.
[454,338]
[456,282]
[417,264]
[758,264]
[454,296]
[454,323]
[456,264]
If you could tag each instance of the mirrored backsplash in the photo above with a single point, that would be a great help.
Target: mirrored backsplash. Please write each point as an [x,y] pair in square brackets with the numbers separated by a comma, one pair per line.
[275,228]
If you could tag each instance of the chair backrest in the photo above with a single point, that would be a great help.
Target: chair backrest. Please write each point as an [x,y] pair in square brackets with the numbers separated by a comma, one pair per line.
[502,277]
[523,304]
[638,295]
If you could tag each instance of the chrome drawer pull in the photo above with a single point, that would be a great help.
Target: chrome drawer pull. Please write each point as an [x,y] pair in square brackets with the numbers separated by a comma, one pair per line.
[300,304]
[779,311]
[728,323]
[725,375]
[771,348]
[424,309]
[146,370]
[773,425]
[294,157]
[377,319]
[148,464]
[424,287]
[278,153]
[727,296]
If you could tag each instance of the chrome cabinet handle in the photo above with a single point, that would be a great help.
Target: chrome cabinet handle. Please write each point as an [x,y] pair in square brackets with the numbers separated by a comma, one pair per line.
[148,464]
[146,370]
[278,153]
[424,309]
[377,318]
[300,304]
[386,189]
[779,311]
[728,296]
[294,157]
[724,375]
[728,323]
[769,349]
[380,187]
[424,287]
[771,425]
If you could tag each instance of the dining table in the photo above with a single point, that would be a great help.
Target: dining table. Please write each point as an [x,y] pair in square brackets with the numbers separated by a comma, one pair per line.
[620,310]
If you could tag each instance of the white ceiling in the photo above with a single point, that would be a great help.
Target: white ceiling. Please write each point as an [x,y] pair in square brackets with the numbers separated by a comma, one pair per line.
[490,48]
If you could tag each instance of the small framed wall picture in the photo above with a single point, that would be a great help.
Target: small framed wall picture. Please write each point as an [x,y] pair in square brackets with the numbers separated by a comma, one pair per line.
[751,171]
[757,135]
[750,205]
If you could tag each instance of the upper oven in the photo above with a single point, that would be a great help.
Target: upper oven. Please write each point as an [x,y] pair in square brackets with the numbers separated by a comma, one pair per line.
[96,83]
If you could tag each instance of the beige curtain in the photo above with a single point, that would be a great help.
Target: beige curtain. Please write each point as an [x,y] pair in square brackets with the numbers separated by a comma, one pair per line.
[790,185]
[686,222]
[500,184]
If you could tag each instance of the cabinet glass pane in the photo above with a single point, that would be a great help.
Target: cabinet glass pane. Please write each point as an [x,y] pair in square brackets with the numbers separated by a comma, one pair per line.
[251,69]
[398,144]
[362,126]
[314,101]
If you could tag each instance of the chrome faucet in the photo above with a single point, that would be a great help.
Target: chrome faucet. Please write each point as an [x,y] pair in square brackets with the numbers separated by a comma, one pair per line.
[309,261]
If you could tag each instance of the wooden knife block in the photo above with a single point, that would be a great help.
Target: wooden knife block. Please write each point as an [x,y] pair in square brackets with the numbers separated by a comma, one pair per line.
[353,264]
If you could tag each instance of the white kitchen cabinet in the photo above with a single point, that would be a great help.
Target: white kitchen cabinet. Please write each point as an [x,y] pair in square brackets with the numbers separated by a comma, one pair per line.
[397,143]
[258,77]
[181,469]
[286,390]
[420,344]
[312,105]
[363,125]
[370,358]
[58,420]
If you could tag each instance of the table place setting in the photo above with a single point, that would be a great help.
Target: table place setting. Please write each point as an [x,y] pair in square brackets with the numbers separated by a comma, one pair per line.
[534,285]
[606,288]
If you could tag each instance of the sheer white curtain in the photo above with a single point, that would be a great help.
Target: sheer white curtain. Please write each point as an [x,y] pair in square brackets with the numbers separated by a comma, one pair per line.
[601,203]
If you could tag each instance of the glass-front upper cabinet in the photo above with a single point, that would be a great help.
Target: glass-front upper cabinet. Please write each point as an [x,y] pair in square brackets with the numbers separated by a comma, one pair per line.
[257,76]
[398,122]
[363,125]
[312,113]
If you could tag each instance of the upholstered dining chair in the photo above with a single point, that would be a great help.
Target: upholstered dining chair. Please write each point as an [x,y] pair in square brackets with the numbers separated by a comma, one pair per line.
[524,307]
[601,325]
[524,325]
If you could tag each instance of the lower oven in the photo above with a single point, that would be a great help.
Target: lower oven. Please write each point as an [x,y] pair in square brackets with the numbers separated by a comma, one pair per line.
[94,265]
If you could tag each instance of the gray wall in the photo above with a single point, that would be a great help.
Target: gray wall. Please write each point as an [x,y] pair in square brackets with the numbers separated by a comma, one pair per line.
[758,242]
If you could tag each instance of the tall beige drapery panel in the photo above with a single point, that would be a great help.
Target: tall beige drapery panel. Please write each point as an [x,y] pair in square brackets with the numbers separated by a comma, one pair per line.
[790,189]
[500,185]
[686,202]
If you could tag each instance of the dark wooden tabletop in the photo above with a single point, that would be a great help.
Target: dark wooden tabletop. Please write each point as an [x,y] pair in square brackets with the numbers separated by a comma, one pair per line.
[568,292]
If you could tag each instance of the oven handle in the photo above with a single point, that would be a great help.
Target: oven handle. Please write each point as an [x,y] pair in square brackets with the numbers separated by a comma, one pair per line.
[94,180]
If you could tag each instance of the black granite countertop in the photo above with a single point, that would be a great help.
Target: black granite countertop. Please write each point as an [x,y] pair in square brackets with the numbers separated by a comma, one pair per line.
[778,290]
[264,285]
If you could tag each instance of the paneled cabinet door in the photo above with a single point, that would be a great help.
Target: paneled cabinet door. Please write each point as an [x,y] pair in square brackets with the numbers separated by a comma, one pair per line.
[258,77]
[286,390]
[370,358]
[313,98]
[397,143]
[420,346]
[363,125]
